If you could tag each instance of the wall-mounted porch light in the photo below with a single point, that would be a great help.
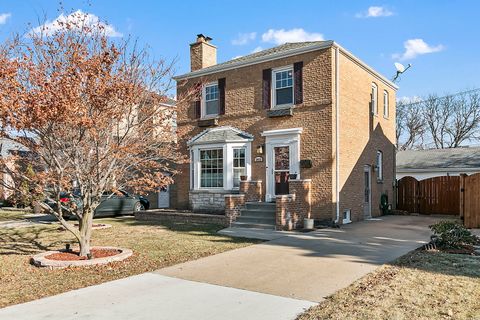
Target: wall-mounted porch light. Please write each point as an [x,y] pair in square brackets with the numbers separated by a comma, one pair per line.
[260,149]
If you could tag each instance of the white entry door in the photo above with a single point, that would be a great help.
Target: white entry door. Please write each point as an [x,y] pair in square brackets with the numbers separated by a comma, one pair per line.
[164,197]
[367,202]
[282,160]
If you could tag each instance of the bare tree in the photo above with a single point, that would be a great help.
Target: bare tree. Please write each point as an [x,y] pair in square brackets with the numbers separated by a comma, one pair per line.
[410,126]
[452,120]
[89,110]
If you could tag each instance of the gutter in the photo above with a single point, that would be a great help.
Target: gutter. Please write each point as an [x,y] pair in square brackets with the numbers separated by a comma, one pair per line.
[337,133]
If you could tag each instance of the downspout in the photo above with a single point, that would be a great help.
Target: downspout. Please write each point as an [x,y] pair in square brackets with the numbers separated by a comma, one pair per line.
[337,133]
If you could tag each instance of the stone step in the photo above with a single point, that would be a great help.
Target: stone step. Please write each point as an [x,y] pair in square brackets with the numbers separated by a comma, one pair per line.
[257,213]
[256,219]
[253,225]
[260,205]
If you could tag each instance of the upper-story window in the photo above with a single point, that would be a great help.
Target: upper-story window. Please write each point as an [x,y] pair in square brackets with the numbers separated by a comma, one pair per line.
[374,98]
[282,86]
[385,104]
[210,100]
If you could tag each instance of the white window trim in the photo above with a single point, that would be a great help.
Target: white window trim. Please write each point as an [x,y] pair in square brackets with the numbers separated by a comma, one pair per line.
[203,105]
[374,98]
[379,164]
[386,104]
[274,87]
[227,163]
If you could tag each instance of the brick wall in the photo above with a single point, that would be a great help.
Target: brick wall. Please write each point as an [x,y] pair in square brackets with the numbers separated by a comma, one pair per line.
[291,209]
[233,204]
[244,111]
[252,190]
[361,135]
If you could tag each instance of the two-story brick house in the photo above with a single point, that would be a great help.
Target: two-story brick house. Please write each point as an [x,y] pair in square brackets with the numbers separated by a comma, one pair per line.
[306,125]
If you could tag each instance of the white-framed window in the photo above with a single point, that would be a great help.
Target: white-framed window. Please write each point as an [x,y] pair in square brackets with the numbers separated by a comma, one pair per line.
[379,165]
[385,103]
[239,165]
[282,88]
[220,165]
[374,99]
[210,101]
[211,168]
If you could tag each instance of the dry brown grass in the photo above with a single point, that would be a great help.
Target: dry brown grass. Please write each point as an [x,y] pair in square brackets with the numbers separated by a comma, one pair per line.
[154,245]
[419,285]
[11,215]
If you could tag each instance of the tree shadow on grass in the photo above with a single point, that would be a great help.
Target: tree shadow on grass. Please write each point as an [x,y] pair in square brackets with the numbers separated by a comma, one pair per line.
[27,241]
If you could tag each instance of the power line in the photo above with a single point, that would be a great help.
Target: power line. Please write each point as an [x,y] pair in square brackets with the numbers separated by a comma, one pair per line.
[440,98]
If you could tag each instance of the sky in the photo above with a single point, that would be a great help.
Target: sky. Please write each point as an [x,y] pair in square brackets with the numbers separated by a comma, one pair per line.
[439,38]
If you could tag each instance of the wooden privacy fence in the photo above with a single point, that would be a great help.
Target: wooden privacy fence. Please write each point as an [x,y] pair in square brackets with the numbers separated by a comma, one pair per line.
[438,195]
[470,200]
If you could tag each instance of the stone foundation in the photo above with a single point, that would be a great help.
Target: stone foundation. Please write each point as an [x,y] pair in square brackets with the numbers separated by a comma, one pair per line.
[208,201]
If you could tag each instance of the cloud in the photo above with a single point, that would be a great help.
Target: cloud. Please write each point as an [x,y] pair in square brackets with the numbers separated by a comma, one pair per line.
[4,17]
[244,38]
[282,36]
[375,12]
[416,47]
[77,18]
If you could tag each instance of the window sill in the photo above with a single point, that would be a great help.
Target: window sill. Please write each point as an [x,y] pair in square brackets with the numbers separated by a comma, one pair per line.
[283,106]
[208,122]
[280,112]
[380,181]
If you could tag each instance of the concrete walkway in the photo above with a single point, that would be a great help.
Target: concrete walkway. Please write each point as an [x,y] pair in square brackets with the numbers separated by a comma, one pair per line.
[153,296]
[310,266]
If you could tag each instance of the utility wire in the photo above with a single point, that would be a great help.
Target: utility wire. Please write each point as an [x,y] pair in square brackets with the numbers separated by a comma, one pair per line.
[440,98]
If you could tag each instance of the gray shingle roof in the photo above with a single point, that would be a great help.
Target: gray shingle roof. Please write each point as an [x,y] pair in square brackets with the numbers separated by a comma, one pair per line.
[220,135]
[265,54]
[439,158]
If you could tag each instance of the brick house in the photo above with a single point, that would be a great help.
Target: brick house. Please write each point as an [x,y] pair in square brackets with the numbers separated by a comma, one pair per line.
[299,130]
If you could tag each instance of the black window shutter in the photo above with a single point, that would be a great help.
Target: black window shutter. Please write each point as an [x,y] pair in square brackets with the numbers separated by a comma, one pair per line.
[221,98]
[266,90]
[196,106]
[298,82]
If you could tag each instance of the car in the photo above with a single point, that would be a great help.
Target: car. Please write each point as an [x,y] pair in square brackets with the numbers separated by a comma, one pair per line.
[112,204]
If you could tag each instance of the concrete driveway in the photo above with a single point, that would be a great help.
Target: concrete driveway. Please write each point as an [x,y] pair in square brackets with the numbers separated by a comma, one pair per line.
[310,266]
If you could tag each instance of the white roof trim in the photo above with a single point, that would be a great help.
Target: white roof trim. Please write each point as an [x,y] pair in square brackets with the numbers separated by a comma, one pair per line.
[463,169]
[279,55]
[282,132]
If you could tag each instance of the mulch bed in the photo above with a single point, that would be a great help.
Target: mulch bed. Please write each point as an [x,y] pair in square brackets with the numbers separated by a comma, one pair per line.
[74,255]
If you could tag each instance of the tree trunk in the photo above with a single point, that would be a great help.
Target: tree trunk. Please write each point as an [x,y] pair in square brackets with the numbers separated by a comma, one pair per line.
[85,228]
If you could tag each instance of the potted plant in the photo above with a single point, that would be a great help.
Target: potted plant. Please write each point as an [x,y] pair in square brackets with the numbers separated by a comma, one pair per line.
[243,178]
[292,176]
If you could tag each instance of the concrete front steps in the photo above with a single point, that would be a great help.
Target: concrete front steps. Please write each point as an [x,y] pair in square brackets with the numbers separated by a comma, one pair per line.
[258,215]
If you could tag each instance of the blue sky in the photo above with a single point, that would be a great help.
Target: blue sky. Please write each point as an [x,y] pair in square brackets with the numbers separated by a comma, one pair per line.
[440,38]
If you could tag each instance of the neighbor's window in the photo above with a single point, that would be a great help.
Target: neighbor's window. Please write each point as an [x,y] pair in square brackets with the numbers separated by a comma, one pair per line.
[239,168]
[283,86]
[379,165]
[374,97]
[211,168]
[385,104]
[211,100]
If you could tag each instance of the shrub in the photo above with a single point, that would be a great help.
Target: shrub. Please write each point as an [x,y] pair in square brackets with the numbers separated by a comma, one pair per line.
[451,235]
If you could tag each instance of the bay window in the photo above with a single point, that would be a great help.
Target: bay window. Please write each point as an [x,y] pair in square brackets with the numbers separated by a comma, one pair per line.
[211,168]
[239,165]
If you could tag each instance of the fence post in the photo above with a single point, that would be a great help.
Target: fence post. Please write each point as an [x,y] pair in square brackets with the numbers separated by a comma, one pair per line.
[462,195]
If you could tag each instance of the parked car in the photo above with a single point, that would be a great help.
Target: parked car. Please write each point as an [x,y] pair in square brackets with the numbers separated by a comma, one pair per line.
[122,203]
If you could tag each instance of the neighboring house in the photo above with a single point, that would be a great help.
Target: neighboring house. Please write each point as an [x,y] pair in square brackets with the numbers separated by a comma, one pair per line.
[7,147]
[161,199]
[305,118]
[424,164]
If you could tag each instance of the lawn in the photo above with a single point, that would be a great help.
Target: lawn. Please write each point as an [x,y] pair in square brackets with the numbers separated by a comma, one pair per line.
[155,246]
[419,285]
[11,215]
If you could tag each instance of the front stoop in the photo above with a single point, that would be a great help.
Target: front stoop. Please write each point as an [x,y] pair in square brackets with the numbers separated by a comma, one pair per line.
[259,215]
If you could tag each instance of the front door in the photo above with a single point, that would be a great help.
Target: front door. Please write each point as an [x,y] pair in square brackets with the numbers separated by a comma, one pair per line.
[278,170]
[367,193]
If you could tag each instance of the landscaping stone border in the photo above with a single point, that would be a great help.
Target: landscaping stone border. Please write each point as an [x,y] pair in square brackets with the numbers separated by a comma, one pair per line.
[103,226]
[182,217]
[39,260]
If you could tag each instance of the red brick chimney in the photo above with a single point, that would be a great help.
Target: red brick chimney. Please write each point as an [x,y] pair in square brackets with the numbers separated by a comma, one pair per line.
[202,53]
